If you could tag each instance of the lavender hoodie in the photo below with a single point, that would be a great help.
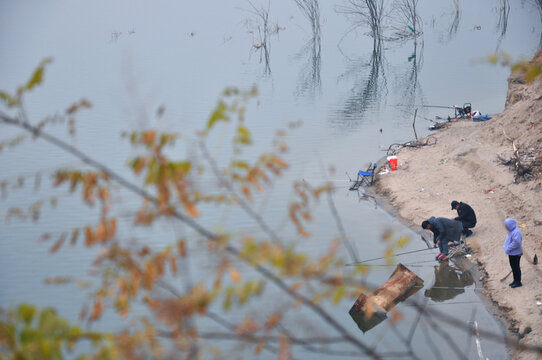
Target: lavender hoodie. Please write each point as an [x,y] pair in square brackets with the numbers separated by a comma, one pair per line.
[512,244]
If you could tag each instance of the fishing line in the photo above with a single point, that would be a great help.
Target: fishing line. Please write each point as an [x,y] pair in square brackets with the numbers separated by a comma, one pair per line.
[445,303]
[326,180]
[449,287]
[382,257]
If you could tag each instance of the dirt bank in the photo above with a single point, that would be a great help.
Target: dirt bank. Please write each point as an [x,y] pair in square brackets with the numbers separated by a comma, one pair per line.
[466,164]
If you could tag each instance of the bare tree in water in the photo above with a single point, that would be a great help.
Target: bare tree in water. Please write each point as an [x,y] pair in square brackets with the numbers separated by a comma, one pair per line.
[456,17]
[369,82]
[408,25]
[407,22]
[261,30]
[502,24]
[311,10]
[365,12]
[310,72]
[538,4]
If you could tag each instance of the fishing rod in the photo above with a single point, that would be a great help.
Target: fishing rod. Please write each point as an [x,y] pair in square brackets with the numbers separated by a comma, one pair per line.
[432,106]
[439,106]
[382,257]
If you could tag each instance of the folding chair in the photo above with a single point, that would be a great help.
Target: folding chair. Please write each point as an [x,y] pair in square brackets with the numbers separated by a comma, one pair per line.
[365,177]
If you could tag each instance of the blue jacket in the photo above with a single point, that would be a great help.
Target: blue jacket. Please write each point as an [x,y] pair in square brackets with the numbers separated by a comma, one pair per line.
[512,244]
[445,229]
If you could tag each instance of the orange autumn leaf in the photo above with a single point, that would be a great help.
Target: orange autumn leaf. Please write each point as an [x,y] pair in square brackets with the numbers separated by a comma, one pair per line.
[112,228]
[101,232]
[259,347]
[234,274]
[295,286]
[246,192]
[58,244]
[284,350]
[96,310]
[306,215]
[273,320]
[124,310]
[248,326]
[181,246]
[191,209]
[173,264]
[89,236]
[302,232]
[145,250]
[148,137]
[104,194]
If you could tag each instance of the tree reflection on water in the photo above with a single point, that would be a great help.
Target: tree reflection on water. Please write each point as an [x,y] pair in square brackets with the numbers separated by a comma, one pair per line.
[367,89]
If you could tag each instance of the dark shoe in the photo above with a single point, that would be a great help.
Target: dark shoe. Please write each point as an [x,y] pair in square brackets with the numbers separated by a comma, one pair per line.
[469,233]
[512,283]
[515,285]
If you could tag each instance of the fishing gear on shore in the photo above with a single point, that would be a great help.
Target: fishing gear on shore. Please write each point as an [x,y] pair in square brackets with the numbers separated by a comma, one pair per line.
[393,148]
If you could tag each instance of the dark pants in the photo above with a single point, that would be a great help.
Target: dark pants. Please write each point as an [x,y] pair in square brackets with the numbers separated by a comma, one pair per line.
[466,226]
[514,264]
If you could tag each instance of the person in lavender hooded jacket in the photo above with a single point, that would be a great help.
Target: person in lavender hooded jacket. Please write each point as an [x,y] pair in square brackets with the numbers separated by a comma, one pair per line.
[512,248]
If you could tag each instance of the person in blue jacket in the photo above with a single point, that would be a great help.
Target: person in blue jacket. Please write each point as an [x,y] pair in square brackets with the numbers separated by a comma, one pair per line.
[444,230]
[512,248]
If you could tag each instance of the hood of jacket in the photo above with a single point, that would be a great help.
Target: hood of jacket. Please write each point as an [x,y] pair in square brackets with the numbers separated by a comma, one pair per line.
[510,224]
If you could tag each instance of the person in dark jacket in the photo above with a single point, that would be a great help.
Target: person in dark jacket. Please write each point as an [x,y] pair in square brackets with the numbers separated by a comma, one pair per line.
[512,248]
[444,230]
[466,215]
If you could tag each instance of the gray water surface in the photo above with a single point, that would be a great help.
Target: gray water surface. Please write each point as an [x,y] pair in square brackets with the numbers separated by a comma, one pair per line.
[354,99]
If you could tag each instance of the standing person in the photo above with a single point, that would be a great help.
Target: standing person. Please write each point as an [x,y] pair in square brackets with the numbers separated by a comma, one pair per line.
[512,248]
[466,215]
[444,230]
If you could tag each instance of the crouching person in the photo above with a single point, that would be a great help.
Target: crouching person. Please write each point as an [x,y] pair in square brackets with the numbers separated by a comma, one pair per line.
[466,215]
[444,230]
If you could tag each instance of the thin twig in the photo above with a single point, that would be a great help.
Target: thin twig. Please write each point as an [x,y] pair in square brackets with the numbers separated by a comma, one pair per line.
[344,237]
[414,124]
[240,200]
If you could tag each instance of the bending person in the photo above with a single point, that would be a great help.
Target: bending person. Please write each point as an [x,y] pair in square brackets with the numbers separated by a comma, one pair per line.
[444,230]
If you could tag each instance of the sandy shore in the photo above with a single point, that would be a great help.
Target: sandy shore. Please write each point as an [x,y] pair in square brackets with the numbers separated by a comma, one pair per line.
[463,165]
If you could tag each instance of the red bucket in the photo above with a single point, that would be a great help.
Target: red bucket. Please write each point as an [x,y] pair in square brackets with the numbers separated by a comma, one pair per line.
[392,162]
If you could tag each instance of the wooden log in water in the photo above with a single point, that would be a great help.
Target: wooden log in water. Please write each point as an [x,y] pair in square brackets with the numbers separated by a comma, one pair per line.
[370,310]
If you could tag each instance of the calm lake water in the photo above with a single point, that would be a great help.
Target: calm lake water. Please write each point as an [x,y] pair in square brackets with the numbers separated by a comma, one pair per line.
[131,58]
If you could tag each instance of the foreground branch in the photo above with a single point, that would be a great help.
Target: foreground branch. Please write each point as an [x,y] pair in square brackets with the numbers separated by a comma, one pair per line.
[266,273]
